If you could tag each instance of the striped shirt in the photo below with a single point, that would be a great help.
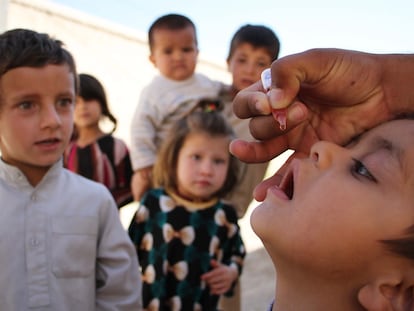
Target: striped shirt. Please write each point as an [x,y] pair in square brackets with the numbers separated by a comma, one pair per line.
[105,161]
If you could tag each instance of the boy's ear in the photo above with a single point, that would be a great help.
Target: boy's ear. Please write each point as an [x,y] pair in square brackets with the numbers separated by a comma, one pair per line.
[152,59]
[387,295]
[228,64]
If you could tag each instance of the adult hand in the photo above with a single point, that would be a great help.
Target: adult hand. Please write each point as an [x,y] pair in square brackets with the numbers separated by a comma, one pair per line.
[329,94]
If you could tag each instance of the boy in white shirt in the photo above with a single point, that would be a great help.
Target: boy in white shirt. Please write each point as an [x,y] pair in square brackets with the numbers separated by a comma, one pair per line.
[61,237]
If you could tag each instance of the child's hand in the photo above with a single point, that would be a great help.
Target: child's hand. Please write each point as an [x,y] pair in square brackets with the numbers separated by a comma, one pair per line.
[220,278]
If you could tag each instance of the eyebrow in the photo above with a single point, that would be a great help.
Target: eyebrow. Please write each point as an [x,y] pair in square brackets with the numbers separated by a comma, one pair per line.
[380,143]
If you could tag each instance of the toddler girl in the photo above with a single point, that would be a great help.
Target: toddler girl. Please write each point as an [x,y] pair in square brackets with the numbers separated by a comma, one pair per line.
[188,240]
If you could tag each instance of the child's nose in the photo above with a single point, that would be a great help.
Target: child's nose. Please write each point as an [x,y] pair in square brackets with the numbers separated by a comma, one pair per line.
[177,55]
[323,153]
[206,167]
[50,117]
[250,68]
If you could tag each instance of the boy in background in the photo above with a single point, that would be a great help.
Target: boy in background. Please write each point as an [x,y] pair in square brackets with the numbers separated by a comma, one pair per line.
[62,239]
[253,48]
[169,96]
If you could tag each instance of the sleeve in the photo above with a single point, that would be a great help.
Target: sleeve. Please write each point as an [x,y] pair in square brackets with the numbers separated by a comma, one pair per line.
[118,279]
[237,251]
[123,170]
[145,123]
[138,227]
[234,250]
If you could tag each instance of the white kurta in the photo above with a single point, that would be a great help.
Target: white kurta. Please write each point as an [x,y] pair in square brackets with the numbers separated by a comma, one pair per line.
[62,245]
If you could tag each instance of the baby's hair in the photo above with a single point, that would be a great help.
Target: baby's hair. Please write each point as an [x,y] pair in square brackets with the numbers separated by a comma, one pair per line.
[171,22]
[258,36]
[91,89]
[27,48]
[212,123]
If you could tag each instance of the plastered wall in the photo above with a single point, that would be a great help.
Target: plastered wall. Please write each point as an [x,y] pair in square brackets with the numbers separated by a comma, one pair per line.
[116,55]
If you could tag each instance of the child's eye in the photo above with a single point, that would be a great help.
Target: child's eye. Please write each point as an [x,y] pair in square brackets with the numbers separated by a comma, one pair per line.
[263,64]
[358,168]
[188,50]
[196,157]
[25,105]
[65,102]
[219,161]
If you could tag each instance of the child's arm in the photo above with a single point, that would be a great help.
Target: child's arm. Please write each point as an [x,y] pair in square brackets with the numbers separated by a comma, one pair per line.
[141,182]
[118,280]
[123,172]
[223,275]
[145,127]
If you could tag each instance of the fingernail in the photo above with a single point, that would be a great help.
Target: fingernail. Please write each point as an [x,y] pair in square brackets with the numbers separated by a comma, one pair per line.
[276,98]
[280,117]
[282,122]
[266,78]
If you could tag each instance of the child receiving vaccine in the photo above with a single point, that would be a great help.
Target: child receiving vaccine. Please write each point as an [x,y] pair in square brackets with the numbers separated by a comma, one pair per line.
[94,153]
[188,240]
[339,226]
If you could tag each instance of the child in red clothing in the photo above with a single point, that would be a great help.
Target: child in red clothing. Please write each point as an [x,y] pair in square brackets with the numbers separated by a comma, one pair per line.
[93,153]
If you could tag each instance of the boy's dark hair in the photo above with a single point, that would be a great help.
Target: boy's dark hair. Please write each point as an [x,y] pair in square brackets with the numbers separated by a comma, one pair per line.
[258,36]
[28,48]
[171,22]
[91,89]
[205,121]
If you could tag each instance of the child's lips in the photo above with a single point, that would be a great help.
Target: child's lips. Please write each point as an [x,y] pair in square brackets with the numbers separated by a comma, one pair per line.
[247,82]
[203,183]
[48,142]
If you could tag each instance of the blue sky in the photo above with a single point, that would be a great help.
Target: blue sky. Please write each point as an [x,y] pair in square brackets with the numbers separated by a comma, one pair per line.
[380,26]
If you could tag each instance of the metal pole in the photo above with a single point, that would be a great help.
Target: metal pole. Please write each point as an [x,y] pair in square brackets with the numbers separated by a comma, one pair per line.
[4,4]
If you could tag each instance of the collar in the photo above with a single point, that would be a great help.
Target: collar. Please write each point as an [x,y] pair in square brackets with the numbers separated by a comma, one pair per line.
[191,204]
[14,176]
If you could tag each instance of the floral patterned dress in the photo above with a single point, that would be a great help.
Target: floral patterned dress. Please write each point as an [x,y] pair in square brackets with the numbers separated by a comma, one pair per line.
[176,240]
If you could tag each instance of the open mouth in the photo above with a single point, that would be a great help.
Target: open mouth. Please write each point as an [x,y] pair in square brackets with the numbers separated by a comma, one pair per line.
[287,185]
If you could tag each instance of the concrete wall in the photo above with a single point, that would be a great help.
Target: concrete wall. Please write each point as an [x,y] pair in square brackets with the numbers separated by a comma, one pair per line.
[116,55]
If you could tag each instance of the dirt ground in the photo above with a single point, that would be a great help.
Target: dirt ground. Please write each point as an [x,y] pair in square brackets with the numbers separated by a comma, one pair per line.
[258,278]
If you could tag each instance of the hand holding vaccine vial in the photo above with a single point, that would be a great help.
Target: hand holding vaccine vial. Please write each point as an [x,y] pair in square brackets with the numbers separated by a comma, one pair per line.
[278,114]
